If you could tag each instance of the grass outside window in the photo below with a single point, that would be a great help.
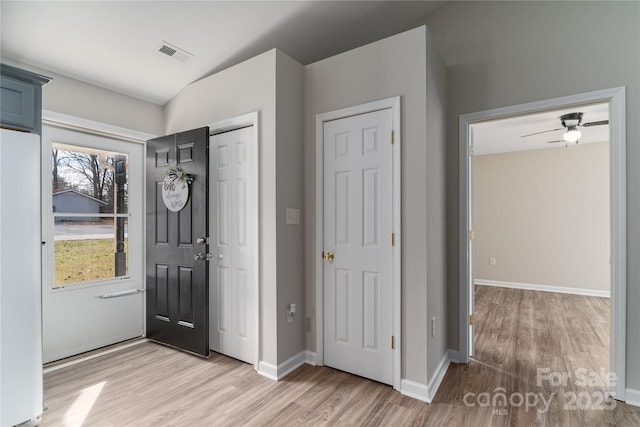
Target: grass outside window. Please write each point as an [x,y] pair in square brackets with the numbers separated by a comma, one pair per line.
[86,260]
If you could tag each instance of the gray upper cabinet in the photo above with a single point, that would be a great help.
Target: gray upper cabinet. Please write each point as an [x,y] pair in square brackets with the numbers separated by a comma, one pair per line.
[21,99]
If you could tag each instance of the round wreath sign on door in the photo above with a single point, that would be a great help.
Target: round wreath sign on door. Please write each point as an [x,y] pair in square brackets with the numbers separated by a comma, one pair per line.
[175,189]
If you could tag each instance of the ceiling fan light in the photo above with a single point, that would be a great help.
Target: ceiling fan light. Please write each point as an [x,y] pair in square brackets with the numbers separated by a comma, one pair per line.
[572,135]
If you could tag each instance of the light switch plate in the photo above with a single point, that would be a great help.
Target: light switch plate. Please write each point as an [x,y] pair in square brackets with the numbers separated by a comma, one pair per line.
[293,216]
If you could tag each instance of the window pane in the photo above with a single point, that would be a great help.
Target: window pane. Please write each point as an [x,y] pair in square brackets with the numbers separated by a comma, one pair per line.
[86,251]
[90,203]
[87,180]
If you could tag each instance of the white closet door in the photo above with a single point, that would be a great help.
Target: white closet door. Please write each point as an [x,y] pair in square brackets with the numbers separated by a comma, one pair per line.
[233,207]
[358,227]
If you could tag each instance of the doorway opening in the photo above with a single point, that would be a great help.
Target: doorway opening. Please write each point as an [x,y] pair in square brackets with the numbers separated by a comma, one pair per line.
[541,272]
[612,101]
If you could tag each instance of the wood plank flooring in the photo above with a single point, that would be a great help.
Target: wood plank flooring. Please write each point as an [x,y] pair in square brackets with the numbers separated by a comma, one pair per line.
[517,332]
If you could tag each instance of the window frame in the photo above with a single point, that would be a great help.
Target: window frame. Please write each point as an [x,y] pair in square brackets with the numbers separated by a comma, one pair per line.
[94,136]
[74,148]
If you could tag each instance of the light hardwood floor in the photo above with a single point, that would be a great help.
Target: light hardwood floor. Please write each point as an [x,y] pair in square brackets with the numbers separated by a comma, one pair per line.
[517,332]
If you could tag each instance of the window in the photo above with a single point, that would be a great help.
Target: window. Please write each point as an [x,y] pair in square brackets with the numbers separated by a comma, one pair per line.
[90,212]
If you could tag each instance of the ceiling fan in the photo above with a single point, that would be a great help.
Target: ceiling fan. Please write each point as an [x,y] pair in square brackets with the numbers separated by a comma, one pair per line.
[571,122]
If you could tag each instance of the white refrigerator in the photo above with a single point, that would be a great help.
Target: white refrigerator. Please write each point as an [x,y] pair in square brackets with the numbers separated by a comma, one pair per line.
[21,394]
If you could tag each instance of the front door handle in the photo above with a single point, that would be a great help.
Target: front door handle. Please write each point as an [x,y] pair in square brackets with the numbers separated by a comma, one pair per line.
[202,256]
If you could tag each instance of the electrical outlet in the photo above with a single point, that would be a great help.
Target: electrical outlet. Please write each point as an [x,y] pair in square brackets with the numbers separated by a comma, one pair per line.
[492,261]
[291,312]
[433,326]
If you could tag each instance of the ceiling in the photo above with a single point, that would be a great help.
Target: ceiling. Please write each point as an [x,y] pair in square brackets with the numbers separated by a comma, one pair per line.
[505,135]
[114,44]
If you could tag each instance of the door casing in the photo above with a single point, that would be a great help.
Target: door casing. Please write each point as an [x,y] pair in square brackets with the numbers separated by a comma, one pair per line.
[617,169]
[394,105]
[245,120]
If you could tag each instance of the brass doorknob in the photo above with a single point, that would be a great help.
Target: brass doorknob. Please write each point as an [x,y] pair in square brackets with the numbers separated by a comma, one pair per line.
[328,256]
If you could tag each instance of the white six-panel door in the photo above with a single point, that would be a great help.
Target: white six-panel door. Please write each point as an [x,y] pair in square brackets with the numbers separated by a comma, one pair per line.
[233,235]
[358,227]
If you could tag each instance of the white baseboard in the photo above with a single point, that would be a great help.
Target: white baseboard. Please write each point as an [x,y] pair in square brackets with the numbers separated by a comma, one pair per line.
[454,356]
[268,370]
[276,373]
[310,358]
[415,390]
[438,375]
[427,392]
[543,288]
[632,397]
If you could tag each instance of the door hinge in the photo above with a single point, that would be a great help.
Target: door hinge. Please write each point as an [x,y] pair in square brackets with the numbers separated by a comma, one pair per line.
[322,255]
[393,239]
[471,150]
[393,342]
[472,235]
[471,320]
[392,137]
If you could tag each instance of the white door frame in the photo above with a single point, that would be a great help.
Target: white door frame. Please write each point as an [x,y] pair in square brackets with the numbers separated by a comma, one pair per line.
[394,104]
[245,120]
[618,206]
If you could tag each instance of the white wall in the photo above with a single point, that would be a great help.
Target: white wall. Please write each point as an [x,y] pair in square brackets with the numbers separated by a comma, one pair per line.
[507,53]
[544,216]
[73,97]
[390,67]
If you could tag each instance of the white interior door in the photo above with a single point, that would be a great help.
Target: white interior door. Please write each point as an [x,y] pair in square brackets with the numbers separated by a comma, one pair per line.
[358,227]
[233,214]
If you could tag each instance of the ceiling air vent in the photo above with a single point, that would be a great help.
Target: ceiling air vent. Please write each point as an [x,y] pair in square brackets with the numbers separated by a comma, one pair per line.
[175,52]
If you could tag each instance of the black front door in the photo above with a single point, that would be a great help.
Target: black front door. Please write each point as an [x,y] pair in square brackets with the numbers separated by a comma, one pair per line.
[177,272]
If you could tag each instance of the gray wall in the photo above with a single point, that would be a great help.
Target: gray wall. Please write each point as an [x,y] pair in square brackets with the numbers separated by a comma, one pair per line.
[270,83]
[246,87]
[387,68]
[436,215]
[79,99]
[506,53]
[544,216]
[290,187]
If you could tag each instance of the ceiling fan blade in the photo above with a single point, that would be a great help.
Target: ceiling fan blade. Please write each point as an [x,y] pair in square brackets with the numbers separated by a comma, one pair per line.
[557,140]
[538,133]
[599,123]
